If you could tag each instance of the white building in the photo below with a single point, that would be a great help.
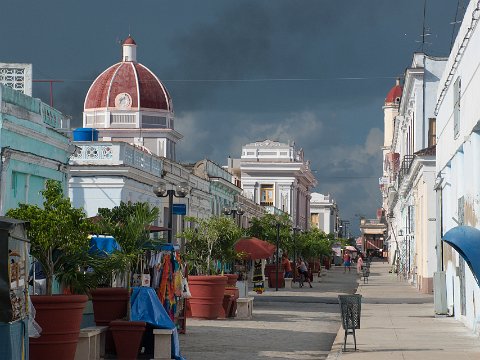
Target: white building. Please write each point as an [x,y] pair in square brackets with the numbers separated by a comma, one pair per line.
[409,172]
[324,213]
[276,176]
[127,102]
[136,150]
[458,169]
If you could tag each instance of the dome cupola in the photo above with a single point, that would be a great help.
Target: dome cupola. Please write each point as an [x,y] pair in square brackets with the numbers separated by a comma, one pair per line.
[128,102]
[395,94]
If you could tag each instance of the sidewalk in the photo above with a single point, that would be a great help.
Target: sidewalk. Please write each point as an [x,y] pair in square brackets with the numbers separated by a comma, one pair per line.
[296,323]
[397,322]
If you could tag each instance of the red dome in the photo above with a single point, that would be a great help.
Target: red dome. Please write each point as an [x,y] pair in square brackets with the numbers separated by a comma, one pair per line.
[129,41]
[395,94]
[144,88]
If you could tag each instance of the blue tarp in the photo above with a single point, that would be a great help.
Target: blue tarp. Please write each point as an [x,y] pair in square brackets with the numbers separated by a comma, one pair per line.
[103,245]
[466,241]
[147,307]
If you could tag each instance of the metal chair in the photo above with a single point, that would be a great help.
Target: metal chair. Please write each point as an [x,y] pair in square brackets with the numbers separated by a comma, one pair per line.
[365,274]
[350,306]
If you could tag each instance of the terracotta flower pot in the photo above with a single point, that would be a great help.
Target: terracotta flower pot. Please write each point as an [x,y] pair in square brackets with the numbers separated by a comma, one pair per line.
[109,304]
[60,317]
[231,279]
[273,280]
[128,338]
[207,295]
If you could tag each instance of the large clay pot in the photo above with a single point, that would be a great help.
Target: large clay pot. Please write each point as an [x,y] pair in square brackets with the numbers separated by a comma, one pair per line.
[128,338]
[207,295]
[60,317]
[109,304]
[272,279]
[231,279]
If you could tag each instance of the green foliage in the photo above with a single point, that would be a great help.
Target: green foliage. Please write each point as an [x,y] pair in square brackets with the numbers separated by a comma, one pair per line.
[128,224]
[264,228]
[315,243]
[210,240]
[59,237]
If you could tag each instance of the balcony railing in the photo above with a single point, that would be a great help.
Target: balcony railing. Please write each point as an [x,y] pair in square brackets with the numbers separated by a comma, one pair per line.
[266,203]
[404,168]
[116,153]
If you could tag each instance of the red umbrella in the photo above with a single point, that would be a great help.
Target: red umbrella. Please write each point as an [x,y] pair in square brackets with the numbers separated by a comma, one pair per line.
[255,248]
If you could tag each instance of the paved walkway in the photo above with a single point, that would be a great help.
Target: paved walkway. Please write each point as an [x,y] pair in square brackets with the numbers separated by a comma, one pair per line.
[288,324]
[397,322]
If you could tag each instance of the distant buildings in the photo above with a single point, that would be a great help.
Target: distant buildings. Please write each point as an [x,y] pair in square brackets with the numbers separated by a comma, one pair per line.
[324,213]
[276,176]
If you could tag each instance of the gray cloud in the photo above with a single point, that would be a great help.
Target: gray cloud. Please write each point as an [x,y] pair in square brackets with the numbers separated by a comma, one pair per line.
[336,121]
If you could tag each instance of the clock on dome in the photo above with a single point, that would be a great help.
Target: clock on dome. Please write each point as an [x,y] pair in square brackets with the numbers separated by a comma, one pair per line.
[123,101]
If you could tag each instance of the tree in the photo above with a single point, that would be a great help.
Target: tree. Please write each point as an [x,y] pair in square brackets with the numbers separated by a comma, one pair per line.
[315,243]
[265,228]
[58,236]
[210,240]
[128,224]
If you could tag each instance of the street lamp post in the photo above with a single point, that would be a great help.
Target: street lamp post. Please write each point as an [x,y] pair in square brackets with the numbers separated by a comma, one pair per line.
[181,191]
[295,229]
[278,253]
[238,210]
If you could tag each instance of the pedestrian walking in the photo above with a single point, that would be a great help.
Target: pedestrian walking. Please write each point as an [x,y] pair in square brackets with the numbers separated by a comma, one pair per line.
[287,267]
[347,261]
[359,263]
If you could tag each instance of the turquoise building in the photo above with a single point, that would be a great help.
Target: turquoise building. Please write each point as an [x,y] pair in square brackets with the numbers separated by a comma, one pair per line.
[32,148]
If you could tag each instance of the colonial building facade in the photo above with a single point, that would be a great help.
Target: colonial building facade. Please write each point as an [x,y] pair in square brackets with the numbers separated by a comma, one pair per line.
[276,176]
[32,147]
[324,213]
[458,175]
[408,183]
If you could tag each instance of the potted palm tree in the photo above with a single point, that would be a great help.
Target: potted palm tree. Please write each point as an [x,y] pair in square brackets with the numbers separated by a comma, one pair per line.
[59,241]
[203,252]
[128,224]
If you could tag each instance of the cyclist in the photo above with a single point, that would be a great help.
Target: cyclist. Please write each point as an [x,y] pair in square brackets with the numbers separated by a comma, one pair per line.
[302,269]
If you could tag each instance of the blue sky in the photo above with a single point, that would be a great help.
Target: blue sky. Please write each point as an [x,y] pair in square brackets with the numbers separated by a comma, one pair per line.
[244,70]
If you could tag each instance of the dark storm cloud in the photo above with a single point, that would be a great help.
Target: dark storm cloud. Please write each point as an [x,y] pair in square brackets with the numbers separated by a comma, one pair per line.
[337,121]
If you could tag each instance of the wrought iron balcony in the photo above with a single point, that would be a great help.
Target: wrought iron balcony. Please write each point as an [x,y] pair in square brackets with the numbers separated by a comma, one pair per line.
[404,168]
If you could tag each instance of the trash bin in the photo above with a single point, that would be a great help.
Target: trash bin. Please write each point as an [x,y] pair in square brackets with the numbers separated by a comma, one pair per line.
[350,308]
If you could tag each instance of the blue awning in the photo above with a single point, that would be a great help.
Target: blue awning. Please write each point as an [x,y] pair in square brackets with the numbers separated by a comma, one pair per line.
[466,241]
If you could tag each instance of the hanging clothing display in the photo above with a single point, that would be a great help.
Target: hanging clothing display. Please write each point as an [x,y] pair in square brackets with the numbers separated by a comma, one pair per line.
[167,278]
